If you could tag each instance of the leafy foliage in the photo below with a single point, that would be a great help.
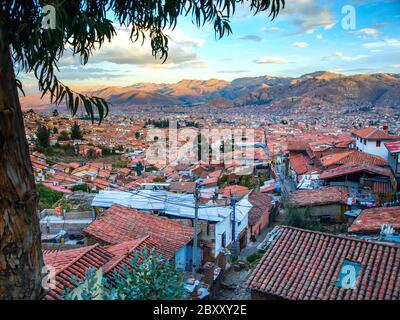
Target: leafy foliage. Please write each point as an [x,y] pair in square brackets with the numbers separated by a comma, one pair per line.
[63,136]
[42,137]
[76,133]
[80,187]
[249,181]
[83,26]
[47,197]
[149,277]
[302,219]
[139,168]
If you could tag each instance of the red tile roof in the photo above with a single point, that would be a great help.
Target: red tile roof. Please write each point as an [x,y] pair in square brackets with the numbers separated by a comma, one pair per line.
[352,157]
[370,220]
[188,187]
[317,197]
[262,204]
[234,190]
[124,253]
[297,145]
[74,263]
[374,134]
[118,224]
[351,169]
[393,146]
[300,163]
[305,265]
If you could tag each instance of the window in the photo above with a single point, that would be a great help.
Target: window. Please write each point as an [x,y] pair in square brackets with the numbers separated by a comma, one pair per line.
[223,240]
[378,143]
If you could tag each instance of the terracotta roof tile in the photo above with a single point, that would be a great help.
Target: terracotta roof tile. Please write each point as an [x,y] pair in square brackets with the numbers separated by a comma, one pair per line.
[352,157]
[370,220]
[305,265]
[118,224]
[300,163]
[262,204]
[374,134]
[393,146]
[74,263]
[315,197]
[350,169]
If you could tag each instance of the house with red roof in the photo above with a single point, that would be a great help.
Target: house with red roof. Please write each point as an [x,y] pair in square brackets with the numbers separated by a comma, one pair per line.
[260,214]
[370,221]
[371,140]
[308,265]
[118,224]
[330,202]
[379,180]
[72,265]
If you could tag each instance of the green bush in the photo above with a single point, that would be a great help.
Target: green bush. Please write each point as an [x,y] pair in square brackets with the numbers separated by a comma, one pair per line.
[81,187]
[256,256]
[298,218]
[47,197]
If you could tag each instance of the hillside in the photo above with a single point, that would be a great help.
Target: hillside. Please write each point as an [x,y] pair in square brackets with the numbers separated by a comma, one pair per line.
[322,89]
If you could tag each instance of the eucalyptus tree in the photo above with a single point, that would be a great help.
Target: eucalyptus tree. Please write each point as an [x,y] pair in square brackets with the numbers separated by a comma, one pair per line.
[34,35]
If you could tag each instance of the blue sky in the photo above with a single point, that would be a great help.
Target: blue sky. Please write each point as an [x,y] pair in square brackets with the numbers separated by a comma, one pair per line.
[307,36]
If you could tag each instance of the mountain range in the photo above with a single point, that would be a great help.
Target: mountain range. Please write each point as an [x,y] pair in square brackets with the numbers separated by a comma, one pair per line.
[321,88]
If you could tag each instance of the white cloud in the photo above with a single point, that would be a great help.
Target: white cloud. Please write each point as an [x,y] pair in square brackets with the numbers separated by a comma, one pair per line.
[182,51]
[271,60]
[272,29]
[319,36]
[392,43]
[368,31]
[343,57]
[300,44]
[308,15]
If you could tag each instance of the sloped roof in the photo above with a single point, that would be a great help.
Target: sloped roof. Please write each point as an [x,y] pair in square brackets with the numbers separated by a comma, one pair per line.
[305,265]
[118,224]
[262,204]
[74,263]
[316,197]
[352,157]
[393,146]
[370,220]
[300,163]
[188,187]
[374,134]
[350,169]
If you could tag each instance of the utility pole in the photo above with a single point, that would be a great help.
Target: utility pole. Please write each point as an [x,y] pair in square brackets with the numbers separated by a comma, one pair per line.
[195,225]
[234,242]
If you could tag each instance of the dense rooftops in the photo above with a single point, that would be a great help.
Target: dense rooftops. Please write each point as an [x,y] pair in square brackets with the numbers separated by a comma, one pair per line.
[307,265]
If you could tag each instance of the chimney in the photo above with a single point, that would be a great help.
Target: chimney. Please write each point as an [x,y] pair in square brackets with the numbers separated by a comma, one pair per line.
[385,128]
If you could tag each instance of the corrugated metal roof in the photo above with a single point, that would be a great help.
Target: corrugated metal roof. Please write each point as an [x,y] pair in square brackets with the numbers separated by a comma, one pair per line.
[180,205]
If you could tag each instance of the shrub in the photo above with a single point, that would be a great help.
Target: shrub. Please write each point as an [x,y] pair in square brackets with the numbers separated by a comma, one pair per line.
[47,197]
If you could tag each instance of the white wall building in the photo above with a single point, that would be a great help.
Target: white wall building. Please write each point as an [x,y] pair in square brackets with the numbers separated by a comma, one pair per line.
[371,140]
[182,206]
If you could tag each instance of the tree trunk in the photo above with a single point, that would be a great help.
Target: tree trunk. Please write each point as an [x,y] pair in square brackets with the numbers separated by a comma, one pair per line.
[21,258]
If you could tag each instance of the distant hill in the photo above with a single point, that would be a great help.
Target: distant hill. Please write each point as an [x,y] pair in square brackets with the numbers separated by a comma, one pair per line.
[321,88]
